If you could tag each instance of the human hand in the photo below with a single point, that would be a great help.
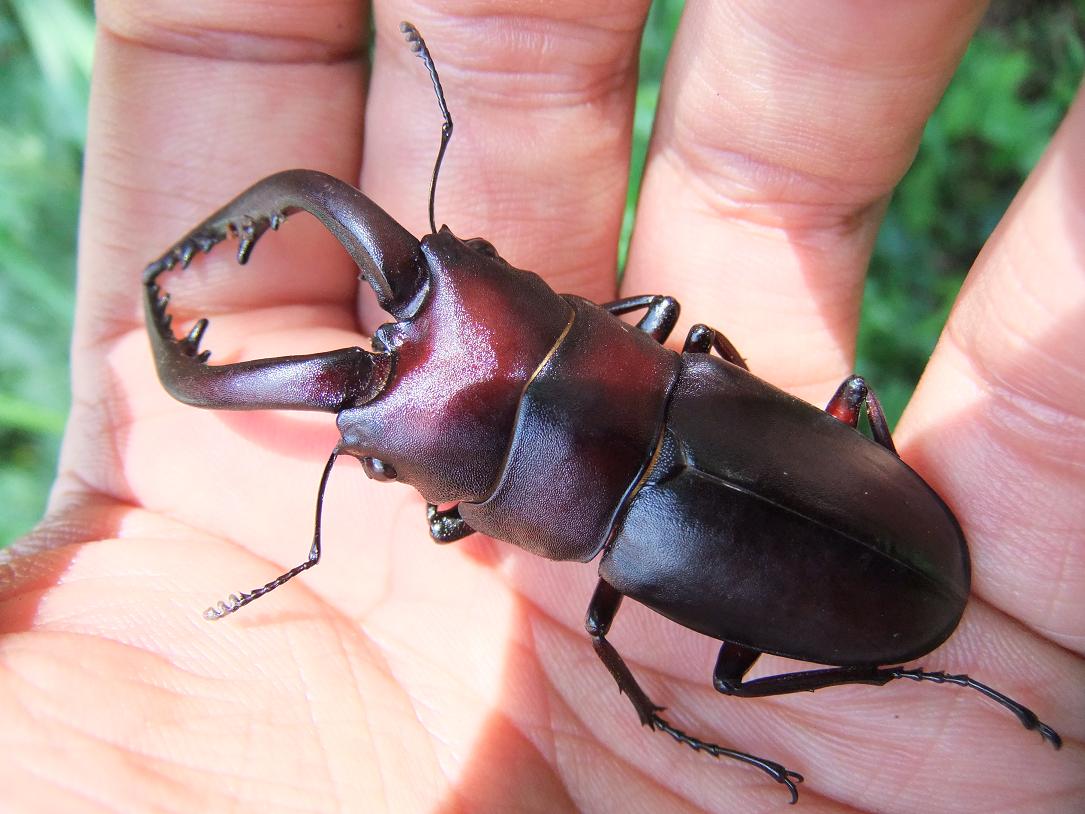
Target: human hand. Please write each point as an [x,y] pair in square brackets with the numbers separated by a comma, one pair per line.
[403,676]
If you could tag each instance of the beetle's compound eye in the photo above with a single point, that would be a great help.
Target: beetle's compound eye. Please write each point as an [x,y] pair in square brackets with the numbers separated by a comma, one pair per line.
[482,246]
[378,470]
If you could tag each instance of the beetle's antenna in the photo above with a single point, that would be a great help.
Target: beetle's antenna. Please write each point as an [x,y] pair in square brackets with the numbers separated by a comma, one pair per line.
[418,45]
[234,602]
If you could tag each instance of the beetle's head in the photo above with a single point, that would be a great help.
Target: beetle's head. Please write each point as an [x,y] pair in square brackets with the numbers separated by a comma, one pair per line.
[433,401]
[444,418]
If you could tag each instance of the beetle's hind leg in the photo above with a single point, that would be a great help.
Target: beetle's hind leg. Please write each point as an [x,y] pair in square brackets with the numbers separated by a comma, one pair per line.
[601,612]
[846,401]
[735,660]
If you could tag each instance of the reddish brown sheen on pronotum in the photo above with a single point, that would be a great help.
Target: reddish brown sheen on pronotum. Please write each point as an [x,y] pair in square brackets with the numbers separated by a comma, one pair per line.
[549,423]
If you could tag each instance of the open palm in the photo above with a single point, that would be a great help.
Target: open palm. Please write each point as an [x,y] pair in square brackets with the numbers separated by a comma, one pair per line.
[401,676]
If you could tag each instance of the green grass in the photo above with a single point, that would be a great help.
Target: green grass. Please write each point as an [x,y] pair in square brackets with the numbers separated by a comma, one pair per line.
[46,53]
[1016,83]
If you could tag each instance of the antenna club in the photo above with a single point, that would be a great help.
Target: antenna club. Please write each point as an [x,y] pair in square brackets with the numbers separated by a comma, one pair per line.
[418,45]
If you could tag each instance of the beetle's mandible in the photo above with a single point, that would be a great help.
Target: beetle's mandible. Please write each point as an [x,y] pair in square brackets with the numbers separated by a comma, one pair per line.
[703,488]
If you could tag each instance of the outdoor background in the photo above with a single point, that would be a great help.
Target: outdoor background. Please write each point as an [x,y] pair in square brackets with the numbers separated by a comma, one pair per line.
[1014,86]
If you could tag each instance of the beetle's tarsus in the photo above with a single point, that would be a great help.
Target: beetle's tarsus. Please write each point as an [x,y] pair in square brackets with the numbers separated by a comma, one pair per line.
[1026,716]
[777,772]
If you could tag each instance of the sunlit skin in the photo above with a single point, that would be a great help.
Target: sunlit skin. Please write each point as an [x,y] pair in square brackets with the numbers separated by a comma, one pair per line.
[402,676]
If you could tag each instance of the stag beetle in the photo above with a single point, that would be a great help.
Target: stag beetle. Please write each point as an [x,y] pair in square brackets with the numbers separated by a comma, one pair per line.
[717,500]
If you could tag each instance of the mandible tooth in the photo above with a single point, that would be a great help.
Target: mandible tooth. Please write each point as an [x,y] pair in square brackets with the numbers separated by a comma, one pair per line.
[196,334]
[188,249]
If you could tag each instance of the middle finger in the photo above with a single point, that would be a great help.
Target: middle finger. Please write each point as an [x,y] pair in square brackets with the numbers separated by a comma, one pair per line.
[543,106]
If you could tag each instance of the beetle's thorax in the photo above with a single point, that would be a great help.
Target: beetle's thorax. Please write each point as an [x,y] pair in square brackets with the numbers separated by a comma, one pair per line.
[461,365]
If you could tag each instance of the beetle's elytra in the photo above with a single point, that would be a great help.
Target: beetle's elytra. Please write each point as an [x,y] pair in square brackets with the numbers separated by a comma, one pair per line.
[701,489]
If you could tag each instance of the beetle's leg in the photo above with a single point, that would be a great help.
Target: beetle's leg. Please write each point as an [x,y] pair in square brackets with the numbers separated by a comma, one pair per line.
[446,526]
[660,319]
[701,339]
[604,606]
[735,660]
[845,404]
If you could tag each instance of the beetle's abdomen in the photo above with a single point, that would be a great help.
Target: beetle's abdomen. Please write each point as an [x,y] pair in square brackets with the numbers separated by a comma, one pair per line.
[586,428]
[769,523]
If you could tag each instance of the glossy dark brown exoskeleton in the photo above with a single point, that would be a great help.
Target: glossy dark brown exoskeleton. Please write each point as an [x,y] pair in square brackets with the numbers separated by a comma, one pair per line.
[714,498]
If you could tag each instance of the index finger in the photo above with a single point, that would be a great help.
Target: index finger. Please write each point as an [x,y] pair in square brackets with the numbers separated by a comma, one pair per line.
[190,104]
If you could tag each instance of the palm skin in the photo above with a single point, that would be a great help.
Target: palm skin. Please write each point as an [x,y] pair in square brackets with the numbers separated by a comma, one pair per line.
[404,677]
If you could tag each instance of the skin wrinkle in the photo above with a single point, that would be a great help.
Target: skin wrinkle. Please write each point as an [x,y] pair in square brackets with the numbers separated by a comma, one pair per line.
[1005,397]
[813,225]
[849,59]
[999,380]
[796,43]
[733,184]
[321,744]
[565,77]
[508,90]
[142,756]
[224,44]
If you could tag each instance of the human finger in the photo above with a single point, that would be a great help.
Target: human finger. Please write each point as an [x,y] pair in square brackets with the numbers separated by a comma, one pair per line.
[542,104]
[781,132]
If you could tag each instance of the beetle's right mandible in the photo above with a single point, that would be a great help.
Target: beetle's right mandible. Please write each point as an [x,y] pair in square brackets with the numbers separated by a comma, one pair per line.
[387,254]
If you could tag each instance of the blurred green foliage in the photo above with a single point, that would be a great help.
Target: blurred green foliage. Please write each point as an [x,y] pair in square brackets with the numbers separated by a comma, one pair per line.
[1013,88]
[1015,84]
[45,54]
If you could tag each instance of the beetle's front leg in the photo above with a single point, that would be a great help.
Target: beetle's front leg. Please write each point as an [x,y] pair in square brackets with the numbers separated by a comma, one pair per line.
[446,526]
[601,612]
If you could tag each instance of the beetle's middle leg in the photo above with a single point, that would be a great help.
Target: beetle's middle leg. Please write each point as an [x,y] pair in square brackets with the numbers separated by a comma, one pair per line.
[601,612]
[658,321]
